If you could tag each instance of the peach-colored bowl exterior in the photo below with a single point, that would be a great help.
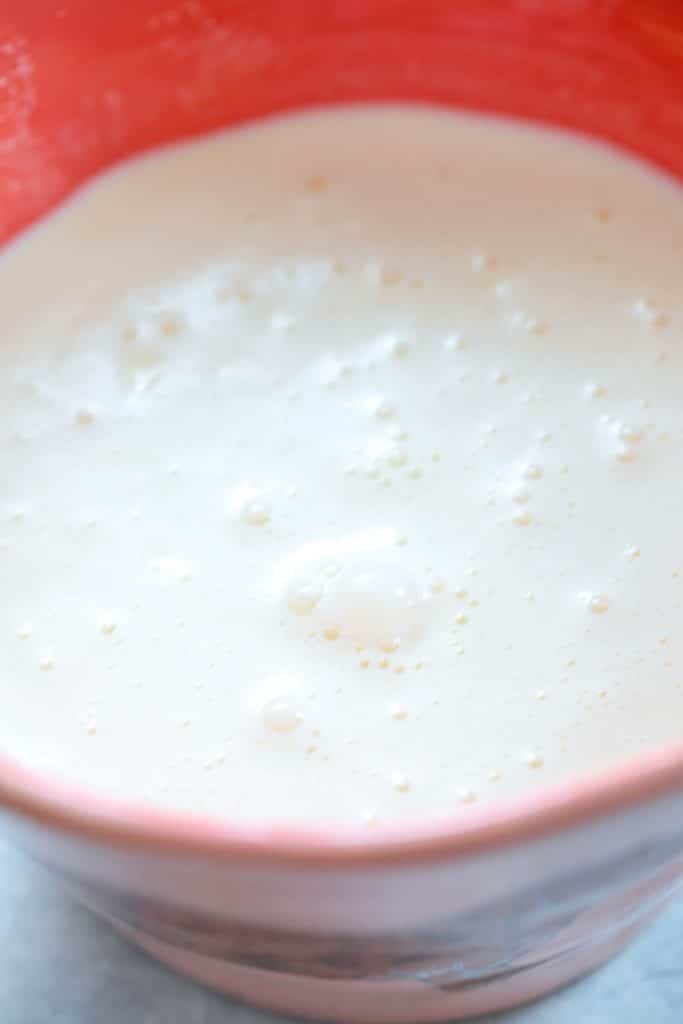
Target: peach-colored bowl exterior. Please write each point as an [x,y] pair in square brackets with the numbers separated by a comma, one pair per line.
[442,919]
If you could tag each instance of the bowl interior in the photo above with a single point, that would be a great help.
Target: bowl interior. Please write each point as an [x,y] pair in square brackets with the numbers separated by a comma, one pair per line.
[83,85]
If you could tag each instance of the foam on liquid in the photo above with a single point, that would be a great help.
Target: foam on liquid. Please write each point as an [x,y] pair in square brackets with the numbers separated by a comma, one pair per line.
[340,469]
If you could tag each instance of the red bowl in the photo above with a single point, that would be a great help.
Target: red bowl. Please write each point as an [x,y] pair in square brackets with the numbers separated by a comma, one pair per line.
[453,917]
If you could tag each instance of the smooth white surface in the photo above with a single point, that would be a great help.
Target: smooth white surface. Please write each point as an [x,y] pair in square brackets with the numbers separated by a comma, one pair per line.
[340,465]
[62,966]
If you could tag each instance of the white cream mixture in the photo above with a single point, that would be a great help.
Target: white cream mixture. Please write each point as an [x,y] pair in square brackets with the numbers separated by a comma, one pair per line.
[341,469]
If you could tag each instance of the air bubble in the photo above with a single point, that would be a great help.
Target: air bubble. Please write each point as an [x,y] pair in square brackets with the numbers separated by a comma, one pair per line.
[454,343]
[397,347]
[303,599]
[536,326]
[598,603]
[625,453]
[593,389]
[646,310]
[382,408]
[389,646]
[522,518]
[480,261]
[256,512]
[631,433]
[85,416]
[397,457]
[401,783]
[169,325]
[281,715]
[519,494]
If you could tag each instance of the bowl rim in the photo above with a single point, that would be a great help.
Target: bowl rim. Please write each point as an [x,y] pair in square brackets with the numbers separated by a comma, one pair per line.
[82,813]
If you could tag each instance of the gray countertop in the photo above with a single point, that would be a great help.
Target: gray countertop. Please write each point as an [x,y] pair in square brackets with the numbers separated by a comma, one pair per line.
[61,966]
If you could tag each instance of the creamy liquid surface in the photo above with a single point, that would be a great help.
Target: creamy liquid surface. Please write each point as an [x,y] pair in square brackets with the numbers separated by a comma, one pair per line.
[341,472]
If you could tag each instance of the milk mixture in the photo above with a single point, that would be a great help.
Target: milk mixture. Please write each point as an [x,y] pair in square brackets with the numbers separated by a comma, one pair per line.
[341,470]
